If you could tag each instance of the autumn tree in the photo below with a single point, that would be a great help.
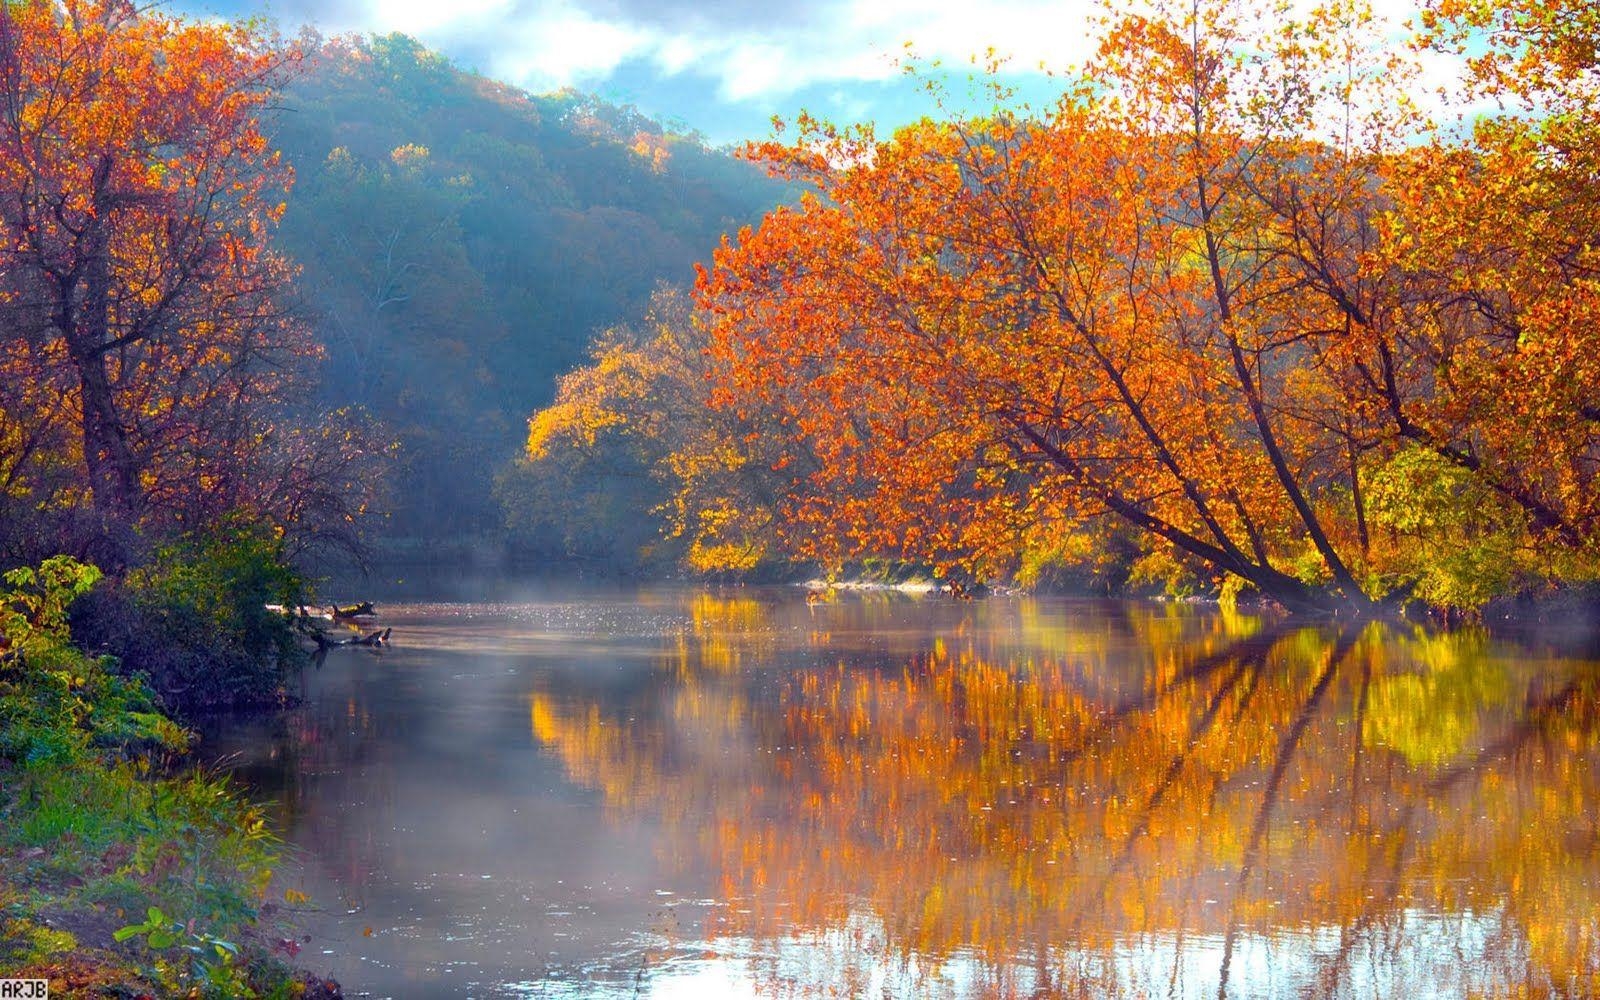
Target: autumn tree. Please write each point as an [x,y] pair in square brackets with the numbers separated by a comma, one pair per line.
[1492,237]
[1201,295]
[628,464]
[140,298]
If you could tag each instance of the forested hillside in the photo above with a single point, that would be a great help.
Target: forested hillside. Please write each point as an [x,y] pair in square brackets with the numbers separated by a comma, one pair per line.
[462,241]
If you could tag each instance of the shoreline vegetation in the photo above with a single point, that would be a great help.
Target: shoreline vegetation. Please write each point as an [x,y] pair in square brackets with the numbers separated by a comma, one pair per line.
[483,563]
[123,870]
[154,377]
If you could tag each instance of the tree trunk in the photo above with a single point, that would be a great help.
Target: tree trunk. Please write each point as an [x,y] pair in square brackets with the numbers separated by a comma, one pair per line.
[86,327]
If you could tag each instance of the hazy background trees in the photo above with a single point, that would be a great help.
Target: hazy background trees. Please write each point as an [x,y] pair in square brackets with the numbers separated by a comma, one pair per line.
[463,241]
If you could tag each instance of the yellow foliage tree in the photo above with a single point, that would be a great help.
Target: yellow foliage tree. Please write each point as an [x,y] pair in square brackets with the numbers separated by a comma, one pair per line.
[630,433]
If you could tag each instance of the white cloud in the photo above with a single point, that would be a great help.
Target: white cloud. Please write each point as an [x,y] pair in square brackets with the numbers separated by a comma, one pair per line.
[761,55]
[426,17]
[1028,33]
[679,53]
[751,68]
[553,43]
[867,39]
[560,45]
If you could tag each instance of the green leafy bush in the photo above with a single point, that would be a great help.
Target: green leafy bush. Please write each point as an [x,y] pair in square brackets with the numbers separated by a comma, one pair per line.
[1444,537]
[58,706]
[195,618]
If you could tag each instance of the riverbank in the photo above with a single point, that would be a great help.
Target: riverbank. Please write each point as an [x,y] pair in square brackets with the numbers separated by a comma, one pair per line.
[122,872]
[173,867]
[489,574]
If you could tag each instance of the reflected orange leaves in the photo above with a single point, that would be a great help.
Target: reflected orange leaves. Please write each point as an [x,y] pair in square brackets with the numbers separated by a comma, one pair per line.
[1271,783]
[591,748]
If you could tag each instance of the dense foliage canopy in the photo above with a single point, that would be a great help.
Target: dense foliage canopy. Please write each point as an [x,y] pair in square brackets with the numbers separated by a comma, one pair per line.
[1232,292]
[628,469]
[148,360]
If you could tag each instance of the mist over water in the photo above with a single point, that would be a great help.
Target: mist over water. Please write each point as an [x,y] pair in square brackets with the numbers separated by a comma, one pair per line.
[678,792]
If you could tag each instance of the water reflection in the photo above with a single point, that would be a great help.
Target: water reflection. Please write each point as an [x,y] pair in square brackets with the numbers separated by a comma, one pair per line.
[1008,798]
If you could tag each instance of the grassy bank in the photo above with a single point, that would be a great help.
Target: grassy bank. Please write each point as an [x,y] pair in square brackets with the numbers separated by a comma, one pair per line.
[120,874]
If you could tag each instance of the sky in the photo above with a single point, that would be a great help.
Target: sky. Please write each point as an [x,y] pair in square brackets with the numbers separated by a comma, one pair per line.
[725,68]
[722,67]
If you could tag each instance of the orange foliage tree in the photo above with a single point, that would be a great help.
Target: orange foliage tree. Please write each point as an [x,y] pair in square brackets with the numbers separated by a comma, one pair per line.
[1219,293]
[145,342]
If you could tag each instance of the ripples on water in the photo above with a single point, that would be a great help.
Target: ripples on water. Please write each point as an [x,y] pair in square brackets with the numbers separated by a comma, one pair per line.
[690,794]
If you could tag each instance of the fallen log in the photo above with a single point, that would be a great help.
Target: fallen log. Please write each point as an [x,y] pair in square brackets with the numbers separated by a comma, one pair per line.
[378,637]
[362,610]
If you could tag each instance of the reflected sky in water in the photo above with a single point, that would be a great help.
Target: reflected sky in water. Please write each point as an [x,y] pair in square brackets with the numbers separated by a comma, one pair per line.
[682,793]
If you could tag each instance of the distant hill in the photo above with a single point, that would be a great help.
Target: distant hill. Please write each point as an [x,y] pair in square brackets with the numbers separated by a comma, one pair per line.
[462,240]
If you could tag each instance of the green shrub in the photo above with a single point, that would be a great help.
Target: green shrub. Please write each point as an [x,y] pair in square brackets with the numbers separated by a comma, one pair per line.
[58,706]
[194,619]
[1443,536]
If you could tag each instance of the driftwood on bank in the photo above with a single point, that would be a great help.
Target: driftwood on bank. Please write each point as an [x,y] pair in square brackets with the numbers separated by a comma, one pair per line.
[314,625]
[378,637]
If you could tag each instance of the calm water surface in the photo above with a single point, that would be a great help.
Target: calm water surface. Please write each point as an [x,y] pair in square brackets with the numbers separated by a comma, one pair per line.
[730,794]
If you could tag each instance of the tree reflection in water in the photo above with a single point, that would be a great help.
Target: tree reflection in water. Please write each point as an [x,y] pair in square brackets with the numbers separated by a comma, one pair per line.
[1150,807]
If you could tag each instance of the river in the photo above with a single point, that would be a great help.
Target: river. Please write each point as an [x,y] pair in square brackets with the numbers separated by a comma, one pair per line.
[735,793]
